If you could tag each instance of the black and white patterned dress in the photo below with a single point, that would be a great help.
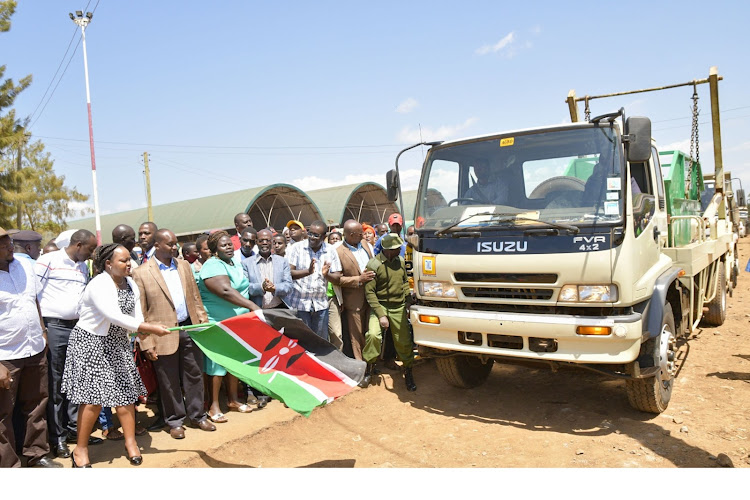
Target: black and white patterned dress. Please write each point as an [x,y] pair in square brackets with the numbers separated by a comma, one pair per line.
[100,370]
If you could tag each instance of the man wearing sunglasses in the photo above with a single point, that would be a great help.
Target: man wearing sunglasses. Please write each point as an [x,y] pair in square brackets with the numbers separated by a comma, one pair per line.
[312,263]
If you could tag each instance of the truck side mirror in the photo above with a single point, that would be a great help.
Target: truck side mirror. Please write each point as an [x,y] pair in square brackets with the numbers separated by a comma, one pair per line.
[638,132]
[392,185]
[741,197]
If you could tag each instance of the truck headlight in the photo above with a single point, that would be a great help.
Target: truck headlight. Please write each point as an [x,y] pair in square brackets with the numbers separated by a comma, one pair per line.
[437,289]
[588,293]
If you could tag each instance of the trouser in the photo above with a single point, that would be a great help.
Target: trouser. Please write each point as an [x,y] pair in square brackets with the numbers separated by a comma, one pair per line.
[357,321]
[61,414]
[317,321]
[335,336]
[29,393]
[180,371]
[396,314]
[105,418]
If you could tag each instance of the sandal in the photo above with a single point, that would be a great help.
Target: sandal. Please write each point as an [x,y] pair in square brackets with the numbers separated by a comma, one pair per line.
[140,430]
[113,434]
[219,418]
[243,408]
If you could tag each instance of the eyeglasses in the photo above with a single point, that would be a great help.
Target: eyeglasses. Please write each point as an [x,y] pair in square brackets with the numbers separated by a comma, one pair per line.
[315,235]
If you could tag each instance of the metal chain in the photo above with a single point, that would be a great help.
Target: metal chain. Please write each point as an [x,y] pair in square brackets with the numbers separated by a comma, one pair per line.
[587,110]
[694,145]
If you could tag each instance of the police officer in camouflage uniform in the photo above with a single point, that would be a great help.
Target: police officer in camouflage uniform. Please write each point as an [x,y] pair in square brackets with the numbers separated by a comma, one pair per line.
[387,295]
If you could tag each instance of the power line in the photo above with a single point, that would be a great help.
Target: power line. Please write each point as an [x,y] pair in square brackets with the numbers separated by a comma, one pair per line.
[75,32]
[144,144]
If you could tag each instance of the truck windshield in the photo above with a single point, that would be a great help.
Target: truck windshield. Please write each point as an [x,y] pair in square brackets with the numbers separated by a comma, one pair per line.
[568,176]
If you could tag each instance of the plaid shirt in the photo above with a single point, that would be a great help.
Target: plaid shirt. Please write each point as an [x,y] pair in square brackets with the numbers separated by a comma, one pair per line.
[309,293]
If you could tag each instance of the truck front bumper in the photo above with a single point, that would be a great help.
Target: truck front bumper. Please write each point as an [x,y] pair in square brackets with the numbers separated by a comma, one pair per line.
[525,335]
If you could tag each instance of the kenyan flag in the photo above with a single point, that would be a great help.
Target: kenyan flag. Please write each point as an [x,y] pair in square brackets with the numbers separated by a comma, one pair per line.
[275,352]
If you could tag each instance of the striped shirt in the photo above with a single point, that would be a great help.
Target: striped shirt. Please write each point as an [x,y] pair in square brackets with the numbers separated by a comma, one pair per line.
[309,293]
[265,268]
[62,282]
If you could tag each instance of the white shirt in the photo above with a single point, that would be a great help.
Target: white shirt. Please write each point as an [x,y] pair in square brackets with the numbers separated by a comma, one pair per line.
[172,277]
[62,282]
[99,307]
[20,331]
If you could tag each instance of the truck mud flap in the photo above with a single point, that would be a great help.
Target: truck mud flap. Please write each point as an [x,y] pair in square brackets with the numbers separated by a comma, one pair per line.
[653,308]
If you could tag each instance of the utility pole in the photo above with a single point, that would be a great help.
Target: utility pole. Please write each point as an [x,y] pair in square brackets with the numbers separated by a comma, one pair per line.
[84,21]
[148,187]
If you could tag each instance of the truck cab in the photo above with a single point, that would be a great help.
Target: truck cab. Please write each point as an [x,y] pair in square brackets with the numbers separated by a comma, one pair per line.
[548,245]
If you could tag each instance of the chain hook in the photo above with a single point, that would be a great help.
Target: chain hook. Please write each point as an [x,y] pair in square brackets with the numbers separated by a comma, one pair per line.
[587,110]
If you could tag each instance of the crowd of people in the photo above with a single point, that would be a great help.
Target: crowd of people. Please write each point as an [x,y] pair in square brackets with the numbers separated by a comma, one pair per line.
[87,328]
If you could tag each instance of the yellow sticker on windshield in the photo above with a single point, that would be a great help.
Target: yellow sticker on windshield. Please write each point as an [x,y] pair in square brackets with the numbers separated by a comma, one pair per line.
[508,141]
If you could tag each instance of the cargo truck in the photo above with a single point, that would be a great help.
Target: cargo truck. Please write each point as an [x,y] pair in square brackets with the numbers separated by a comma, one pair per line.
[575,244]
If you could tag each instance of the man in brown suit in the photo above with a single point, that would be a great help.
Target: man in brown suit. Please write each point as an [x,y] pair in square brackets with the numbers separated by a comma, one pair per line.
[354,253]
[169,296]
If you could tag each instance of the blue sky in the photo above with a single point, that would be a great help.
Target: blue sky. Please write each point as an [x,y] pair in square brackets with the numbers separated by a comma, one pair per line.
[236,94]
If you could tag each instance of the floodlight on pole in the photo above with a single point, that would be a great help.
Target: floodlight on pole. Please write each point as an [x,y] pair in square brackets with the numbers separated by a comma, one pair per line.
[83,22]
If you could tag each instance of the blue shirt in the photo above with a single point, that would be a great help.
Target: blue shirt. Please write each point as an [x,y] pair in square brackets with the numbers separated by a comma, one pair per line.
[172,277]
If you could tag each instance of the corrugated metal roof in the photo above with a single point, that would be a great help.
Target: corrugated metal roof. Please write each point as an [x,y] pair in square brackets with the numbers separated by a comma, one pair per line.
[192,216]
[276,203]
[367,201]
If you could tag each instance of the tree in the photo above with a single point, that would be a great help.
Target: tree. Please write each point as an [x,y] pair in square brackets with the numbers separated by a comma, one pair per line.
[31,195]
[11,129]
[34,188]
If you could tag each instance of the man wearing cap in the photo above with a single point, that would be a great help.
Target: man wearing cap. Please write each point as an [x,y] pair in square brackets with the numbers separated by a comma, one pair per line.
[23,364]
[297,231]
[387,295]
[27,245]
[395,222]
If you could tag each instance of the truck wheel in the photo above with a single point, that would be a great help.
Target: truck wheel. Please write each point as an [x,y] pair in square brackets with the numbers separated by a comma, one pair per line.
[653,394]
[717,308]
[464,371]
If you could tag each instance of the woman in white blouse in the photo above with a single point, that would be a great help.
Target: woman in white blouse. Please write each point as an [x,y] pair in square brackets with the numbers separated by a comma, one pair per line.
[99,366]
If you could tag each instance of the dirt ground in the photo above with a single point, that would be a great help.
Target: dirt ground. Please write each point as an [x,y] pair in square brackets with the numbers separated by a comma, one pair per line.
[521,418]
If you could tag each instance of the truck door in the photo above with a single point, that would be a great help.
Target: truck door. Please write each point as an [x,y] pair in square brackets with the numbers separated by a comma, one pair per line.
[649,220]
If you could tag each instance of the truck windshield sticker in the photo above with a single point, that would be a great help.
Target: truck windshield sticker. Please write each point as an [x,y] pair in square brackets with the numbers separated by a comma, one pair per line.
[613,184]
[613,195]
[508,141]
[611,208]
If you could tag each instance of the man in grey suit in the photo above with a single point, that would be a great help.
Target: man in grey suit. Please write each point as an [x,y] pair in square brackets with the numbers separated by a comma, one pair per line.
[269,275]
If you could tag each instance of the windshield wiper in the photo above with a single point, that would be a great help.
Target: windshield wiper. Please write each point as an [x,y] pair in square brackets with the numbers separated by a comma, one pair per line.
[445,230]
[559,225]
[508,222]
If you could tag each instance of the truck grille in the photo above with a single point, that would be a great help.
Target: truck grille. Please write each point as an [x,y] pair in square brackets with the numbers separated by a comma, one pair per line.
[506,277]
[508,293]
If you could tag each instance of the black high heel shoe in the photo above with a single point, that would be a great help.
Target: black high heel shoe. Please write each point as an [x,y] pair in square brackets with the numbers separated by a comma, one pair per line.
[76,466]
[136,460]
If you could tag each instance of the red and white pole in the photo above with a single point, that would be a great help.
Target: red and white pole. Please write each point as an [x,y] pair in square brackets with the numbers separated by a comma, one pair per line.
[83,22]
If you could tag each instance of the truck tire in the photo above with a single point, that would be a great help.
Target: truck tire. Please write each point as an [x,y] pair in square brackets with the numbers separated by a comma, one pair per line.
[464,371]
[652,394]
[717,308]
